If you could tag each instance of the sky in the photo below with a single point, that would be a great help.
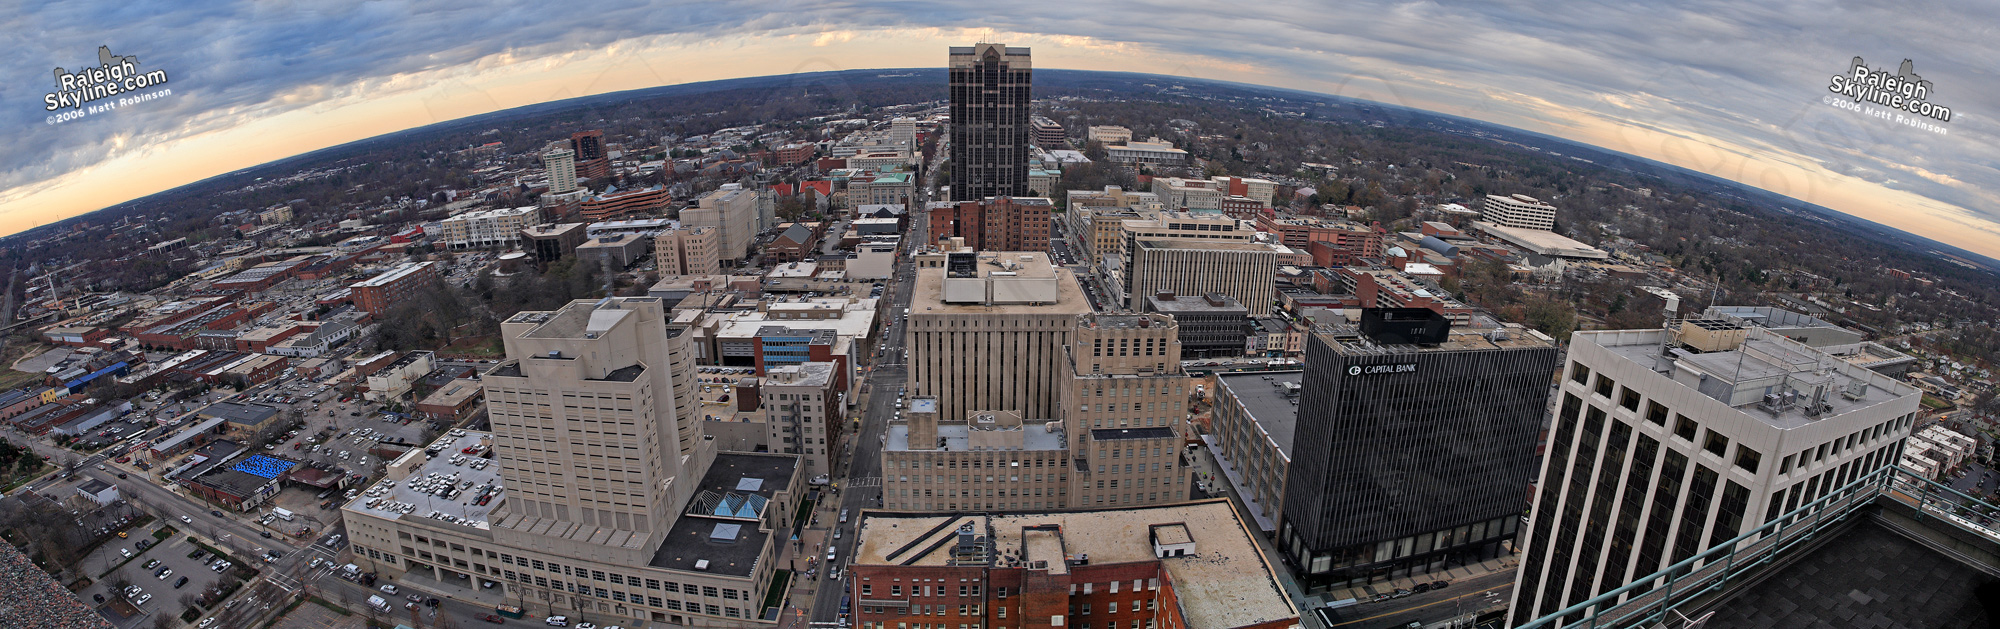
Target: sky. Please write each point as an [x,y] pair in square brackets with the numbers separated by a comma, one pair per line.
[1734,89]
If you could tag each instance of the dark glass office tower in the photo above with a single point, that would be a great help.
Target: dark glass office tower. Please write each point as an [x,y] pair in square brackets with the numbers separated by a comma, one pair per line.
[990,103]
[1414,446]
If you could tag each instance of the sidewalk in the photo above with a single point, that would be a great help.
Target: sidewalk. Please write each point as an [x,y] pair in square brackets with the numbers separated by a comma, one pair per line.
[806,556]
[1265,520]
[1368,591]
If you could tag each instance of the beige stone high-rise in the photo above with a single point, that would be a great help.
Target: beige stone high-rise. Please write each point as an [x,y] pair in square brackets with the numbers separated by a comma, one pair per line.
[687,251]
[594,449]
[1124,400]
[601,498]
[987,332]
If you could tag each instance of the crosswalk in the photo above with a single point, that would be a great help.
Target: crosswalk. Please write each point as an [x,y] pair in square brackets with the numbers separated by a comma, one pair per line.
[865,481]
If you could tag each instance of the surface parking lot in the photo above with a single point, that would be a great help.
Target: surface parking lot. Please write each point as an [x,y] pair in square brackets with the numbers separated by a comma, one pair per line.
[171,554]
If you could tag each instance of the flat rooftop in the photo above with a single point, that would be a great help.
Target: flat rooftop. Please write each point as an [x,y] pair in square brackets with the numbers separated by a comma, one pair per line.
[1011,282]
[1764,362]
[1546,243]
[739,486]
[1213,245]
[1348,339]
[579,319]
[1226,581]
[428,492]
[1263,398]
[390,276]
[957,438]
[236,413]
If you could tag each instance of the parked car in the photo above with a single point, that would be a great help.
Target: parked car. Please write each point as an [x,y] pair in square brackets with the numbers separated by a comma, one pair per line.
[492,619]
[388,588]
[557,621]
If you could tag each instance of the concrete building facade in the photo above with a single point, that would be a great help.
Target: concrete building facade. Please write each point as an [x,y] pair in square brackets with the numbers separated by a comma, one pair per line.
[1241,270]
[488,228]
[1669,442]
[1518,211]
[687,251]
[732,213]
[987,330]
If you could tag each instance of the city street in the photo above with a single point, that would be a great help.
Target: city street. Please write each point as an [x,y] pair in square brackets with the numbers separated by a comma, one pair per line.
[1462,597]
[861,486]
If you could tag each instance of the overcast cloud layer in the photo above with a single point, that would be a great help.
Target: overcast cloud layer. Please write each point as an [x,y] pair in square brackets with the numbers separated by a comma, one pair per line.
[1731,88]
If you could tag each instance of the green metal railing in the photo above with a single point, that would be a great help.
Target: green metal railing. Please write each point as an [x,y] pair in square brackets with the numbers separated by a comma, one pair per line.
[1655,598]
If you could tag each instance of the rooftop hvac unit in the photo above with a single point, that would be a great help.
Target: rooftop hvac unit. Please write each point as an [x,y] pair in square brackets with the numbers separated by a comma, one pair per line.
[1855,390]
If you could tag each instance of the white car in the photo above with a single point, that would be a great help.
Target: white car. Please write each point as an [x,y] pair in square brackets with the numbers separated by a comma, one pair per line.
[166,573]
[187,520]
[142,599]
[585,625]
[127,552]
[388,588]
[557,621]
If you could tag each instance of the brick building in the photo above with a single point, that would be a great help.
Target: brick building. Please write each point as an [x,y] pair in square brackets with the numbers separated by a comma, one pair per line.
[1192,566]
[994,224]
[1300,231]
[630,203]
[378,294]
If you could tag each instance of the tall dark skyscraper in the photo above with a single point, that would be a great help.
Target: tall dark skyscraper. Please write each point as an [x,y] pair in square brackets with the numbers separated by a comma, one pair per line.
[591,160]
[991,97]
[1414,447]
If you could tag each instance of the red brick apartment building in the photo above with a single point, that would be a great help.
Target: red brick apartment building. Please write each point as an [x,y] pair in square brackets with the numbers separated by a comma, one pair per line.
[618,205]
[1299,231]
[1185,566]
[994,224]
[378,294]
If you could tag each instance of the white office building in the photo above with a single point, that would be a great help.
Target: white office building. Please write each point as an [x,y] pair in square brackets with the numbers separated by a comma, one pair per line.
[561,166]
[1669,442]
[1518,211]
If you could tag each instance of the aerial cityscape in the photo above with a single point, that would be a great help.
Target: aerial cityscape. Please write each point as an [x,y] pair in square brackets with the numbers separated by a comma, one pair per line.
[990,346]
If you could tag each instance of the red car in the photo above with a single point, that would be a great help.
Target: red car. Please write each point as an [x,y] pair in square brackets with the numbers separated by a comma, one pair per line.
[491,618]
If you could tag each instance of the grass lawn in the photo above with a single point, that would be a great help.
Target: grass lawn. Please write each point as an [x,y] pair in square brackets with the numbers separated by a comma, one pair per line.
[329,605]
[487,346]
[10,379]
[23,479]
